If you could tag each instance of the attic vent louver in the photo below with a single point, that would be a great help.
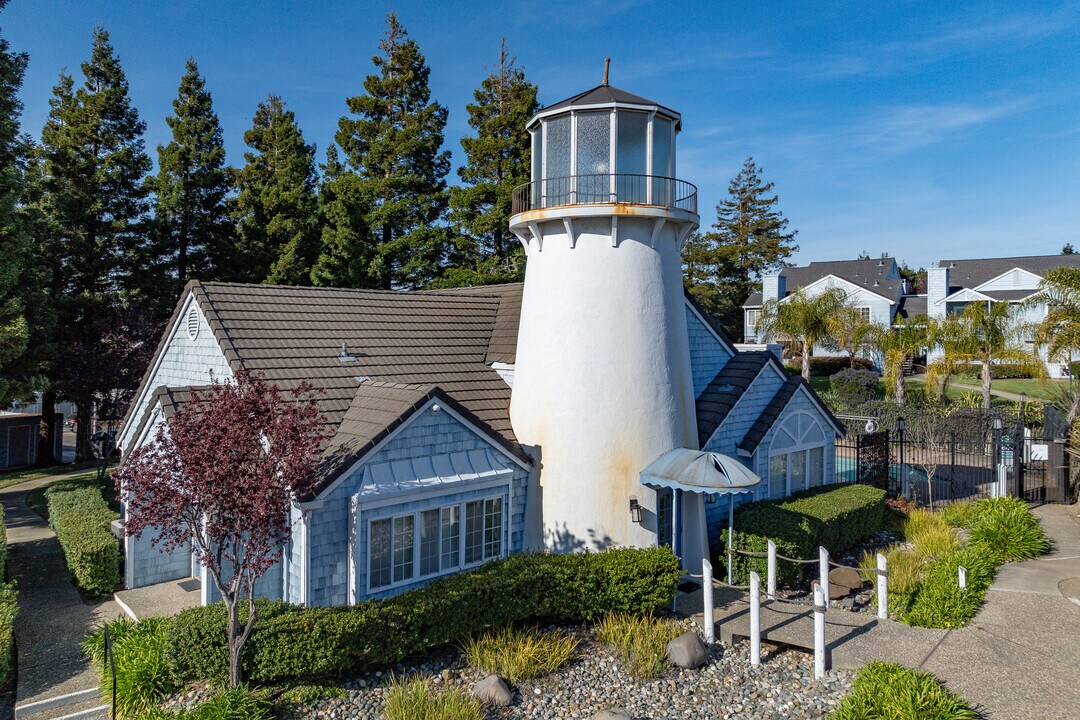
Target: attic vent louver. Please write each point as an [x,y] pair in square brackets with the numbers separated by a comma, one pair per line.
[193,323]
[345,356]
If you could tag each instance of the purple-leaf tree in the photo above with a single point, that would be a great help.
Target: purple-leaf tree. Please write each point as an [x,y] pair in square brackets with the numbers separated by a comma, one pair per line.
[221,477]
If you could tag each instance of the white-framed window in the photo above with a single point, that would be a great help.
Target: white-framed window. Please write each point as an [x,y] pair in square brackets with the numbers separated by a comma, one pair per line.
[796,455]
[865,312]
[752,317]
[427,543]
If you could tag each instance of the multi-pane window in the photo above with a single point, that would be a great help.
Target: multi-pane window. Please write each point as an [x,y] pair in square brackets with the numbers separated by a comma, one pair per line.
[751,322]
[430,542]
[796,455]
[865,312]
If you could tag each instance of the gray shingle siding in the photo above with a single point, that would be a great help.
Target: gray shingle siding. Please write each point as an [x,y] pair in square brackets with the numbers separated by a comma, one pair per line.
[707,354]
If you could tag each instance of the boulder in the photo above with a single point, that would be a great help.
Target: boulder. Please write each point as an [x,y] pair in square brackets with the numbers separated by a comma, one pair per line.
[612,714]
[687,651]
[843,581]
[493,691]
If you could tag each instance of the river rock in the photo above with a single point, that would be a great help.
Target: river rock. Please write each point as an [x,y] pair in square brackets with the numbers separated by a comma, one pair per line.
[493,691]
[687,651]
[844,581]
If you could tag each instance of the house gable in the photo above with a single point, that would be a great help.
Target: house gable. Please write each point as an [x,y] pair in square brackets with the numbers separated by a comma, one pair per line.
[855,293]
[336,520]
[738,420]
[189,354]
[1015,279]
[709,349]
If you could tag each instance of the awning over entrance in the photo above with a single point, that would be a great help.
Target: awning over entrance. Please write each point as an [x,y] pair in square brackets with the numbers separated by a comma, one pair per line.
[699,471]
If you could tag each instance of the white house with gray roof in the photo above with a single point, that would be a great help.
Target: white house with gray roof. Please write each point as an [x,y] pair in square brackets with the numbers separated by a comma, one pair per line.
[467,424]
[876,288]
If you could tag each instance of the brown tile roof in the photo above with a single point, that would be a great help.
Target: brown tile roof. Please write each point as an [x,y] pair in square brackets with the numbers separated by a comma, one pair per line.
[406,345]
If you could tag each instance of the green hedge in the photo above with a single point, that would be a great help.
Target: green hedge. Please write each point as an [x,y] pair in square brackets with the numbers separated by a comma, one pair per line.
[8,607]
[999,371]
[295,643]
[828,365]
[836,517]
[81,518]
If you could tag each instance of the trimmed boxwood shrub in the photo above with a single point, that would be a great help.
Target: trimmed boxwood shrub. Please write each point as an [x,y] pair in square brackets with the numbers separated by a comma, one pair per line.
[853,386]
[81,518]
[999,371]
[836,517]
[293,643]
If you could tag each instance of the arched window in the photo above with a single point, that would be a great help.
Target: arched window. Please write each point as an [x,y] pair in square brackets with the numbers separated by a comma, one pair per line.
[796,455]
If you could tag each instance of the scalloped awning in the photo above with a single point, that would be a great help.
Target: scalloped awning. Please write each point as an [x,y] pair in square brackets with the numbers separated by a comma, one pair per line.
[699,471]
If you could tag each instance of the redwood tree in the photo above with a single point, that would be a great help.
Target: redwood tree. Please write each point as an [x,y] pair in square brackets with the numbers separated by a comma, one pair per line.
[223,474]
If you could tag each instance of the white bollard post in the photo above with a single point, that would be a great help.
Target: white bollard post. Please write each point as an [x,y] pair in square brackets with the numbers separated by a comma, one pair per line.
[731,541]
[882,587]
[962,572]
[819,633]
[755,619]
[707,610]
[823,569]
[770,577]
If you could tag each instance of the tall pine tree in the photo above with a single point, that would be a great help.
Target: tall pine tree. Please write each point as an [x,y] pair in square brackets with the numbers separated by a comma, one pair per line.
[497,162]
[192,233]
[347,244]
[749,238]
[94,201]
[276,209]
[393,142]
[24,315]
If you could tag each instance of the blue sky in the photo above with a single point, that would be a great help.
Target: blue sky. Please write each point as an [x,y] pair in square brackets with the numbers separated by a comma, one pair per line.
[925,129]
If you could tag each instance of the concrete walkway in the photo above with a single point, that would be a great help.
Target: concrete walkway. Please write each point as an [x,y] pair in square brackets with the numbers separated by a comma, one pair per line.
[53,618]
[1017,659]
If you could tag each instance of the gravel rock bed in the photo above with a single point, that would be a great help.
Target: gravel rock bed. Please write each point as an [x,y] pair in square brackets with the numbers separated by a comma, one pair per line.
[782,687]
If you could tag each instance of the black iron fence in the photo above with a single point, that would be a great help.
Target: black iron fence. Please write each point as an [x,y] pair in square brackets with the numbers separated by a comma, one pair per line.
[605,189]
[975,455]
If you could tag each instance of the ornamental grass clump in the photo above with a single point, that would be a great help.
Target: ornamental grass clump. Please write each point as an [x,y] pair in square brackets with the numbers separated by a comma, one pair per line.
[414,699]
[1006,528]
[929,535]
[639,643]
[517,654]
[142,673]
[940,601]
[959,515]
[887,691]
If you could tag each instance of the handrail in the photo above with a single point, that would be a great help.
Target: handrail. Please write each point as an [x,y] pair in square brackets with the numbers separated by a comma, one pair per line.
[605,189]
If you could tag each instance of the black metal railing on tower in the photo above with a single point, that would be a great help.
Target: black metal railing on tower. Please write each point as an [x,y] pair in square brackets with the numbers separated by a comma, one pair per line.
[605,190]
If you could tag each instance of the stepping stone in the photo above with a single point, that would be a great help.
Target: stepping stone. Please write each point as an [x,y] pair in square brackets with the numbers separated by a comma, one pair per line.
[844,581]
[612,714]
[687,651]
[493,691]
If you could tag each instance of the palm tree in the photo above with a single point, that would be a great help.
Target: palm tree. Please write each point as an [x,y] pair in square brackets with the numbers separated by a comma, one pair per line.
[802,318]
[851,331]
[984,333]
[1058,333]
[906,338]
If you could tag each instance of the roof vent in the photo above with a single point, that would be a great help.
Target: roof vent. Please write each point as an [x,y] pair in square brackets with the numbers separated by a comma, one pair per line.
[345,356]
[952,264]
[193,324]
[881,263]
[877,284]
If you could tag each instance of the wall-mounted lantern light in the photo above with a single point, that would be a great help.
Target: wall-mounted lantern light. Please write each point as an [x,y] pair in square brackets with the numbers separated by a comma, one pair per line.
[635,509]
[901,424]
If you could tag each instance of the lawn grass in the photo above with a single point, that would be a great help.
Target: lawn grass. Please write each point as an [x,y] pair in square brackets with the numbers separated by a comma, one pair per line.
[40,504]
[18,476]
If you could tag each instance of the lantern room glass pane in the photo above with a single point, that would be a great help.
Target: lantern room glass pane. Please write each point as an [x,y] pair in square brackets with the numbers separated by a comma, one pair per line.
[593,157]
[537,164]
[631,156]
[557,170]
[662,163]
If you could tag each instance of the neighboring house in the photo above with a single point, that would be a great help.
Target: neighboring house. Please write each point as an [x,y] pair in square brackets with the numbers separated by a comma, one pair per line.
[471,423]
[953,284]
[873,286]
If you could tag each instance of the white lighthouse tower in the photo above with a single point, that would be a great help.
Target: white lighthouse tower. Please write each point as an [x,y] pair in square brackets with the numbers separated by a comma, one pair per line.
[602,384]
